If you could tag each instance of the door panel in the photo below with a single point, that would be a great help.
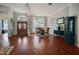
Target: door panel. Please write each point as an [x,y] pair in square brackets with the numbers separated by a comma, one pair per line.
[70,30]
[22,28]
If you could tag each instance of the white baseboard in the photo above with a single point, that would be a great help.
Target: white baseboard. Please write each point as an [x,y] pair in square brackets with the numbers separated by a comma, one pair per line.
[77,45]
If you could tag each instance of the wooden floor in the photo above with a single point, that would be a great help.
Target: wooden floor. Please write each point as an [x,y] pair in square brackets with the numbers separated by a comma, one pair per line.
[35,45]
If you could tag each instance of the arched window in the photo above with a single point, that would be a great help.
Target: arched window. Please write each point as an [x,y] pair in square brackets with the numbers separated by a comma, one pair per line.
[22,18]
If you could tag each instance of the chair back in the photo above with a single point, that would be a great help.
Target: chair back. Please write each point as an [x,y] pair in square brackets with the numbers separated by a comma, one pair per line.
[48,30]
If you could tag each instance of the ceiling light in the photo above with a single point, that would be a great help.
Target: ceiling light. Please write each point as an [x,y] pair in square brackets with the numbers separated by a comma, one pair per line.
[50,3]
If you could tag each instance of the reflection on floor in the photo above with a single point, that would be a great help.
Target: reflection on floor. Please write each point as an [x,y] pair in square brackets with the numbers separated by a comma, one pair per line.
[35,45]
[5,40]
[5,48]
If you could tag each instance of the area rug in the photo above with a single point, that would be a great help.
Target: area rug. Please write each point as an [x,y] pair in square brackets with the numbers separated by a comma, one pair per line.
[6,51]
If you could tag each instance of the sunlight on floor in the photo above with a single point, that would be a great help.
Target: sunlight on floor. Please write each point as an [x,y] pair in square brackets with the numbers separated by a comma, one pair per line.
[5,40]
[22,43]
[25,42]
[36,42]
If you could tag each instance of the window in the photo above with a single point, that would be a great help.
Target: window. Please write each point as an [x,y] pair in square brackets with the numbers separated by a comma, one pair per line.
[22,18]
[39,21]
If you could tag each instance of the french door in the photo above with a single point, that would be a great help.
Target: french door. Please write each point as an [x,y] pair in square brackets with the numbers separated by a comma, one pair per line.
[22,28]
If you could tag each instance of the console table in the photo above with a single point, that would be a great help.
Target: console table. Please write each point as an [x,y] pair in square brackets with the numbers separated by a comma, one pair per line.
[60,33]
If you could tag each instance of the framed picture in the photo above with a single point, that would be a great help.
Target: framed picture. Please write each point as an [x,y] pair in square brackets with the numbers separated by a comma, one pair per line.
[60,20]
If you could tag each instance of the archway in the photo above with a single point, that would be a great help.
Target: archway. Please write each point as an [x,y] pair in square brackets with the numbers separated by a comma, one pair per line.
[22,25]
[22,18]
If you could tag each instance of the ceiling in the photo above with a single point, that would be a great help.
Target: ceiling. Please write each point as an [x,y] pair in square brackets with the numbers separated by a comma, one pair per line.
[45,9]
[35,8]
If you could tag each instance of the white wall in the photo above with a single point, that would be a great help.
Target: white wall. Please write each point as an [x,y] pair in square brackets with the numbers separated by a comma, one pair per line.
[6,14]
[4,17]
[61,13]
[74,11]
[52,19]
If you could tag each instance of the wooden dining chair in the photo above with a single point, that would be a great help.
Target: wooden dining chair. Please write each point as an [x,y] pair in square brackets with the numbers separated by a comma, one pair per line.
[47,31]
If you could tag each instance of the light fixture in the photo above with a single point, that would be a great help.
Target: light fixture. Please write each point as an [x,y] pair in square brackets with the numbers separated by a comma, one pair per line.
[27,5]
[50,3]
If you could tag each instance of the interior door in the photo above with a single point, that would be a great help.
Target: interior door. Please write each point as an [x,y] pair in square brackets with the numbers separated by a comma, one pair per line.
[22,28]
[70,30]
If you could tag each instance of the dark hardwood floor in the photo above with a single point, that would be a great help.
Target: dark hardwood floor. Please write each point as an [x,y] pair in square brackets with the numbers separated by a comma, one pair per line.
[35,45]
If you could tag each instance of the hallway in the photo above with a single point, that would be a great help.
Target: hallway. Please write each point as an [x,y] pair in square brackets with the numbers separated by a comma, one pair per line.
[25,21]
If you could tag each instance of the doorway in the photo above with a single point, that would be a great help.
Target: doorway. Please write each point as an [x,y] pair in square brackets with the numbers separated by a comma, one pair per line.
[22,25]
[22,28]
